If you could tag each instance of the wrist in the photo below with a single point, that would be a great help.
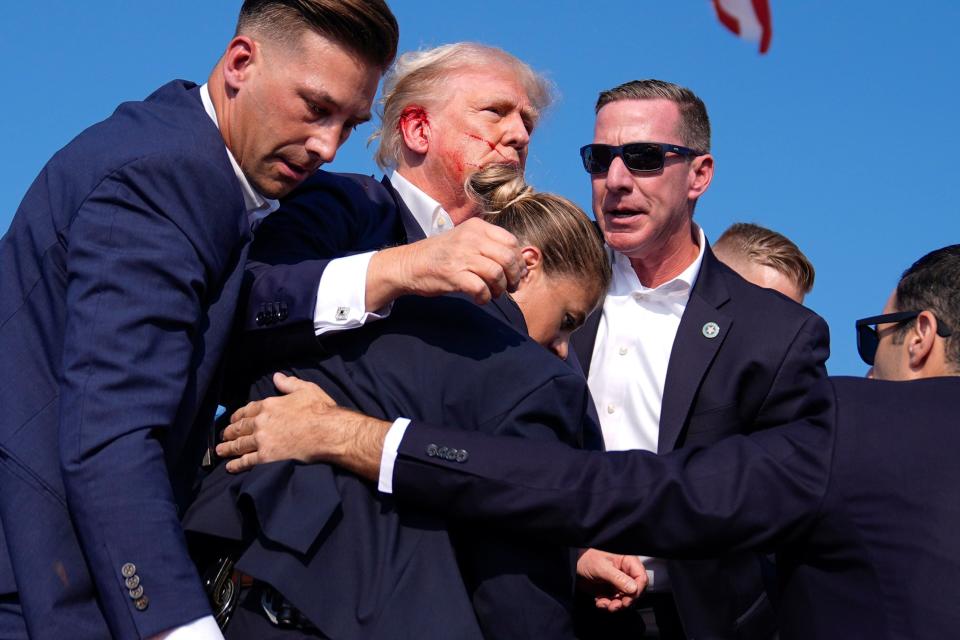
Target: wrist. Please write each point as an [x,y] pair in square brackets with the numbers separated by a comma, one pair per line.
[386,280]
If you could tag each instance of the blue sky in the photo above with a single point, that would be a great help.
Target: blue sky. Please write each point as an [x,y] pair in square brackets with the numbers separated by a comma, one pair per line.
[840,137]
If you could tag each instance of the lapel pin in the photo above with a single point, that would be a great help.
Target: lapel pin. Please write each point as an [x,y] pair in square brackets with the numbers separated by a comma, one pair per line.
[711,330]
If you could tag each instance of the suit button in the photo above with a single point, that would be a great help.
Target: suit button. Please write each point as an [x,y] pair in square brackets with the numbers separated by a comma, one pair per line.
[132,582]
[136,593]
[128,570]
[260,319]
[442,452]
[451,454]
[462,455]
[431,450]
[141,603]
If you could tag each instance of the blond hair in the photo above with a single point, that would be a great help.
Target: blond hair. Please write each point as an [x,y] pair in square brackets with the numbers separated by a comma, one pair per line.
[750,242]
[569,242]
[419,77]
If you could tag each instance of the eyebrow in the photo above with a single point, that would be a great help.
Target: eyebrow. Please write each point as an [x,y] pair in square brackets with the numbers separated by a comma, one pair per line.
[319,95]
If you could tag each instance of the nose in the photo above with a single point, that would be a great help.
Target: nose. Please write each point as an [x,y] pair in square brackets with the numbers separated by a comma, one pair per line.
[560,348]
[515,132]
[322,145]
[619,178]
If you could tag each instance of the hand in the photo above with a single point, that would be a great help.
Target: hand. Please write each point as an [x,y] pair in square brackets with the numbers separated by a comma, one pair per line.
[476,258]
[303,424]
[614,580]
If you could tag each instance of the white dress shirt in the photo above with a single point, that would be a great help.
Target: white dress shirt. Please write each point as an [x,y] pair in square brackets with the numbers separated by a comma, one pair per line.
[628,368]
[632,350]
[432,218]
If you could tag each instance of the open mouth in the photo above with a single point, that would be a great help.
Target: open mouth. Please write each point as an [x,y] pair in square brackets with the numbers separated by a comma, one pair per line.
[629,213]
[293,170]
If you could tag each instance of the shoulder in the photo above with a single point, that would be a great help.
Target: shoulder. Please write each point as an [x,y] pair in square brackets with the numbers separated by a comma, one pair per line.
[167,136]
[765,311]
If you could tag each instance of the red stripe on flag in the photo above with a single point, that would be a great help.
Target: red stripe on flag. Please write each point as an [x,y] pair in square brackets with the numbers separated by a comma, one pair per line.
[761,8]
[726,19]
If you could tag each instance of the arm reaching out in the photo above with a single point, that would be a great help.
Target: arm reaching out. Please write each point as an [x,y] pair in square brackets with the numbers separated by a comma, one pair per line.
[303,424]
[476,258]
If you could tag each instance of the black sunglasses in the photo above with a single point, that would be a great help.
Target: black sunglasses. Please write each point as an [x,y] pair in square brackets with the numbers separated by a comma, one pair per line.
[644,157]
[868,339]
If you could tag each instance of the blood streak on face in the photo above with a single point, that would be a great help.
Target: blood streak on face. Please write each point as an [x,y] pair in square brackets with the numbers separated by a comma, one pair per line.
[492,145]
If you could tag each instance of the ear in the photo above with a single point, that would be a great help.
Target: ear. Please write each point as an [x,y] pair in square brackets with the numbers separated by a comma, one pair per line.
[533,258]
[414,126]
[921,339]
[238,61]
[701,173]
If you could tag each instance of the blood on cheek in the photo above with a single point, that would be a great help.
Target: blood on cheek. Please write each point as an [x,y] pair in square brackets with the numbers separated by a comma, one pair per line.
[492,145]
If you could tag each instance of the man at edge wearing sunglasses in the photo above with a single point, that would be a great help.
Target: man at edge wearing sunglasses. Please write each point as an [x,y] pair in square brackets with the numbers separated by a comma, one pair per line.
[857,498]
[684,351]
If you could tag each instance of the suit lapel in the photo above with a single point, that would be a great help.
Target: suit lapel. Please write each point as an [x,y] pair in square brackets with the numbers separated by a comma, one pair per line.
[584,339]
[505,309]
[693,349]
[410,225]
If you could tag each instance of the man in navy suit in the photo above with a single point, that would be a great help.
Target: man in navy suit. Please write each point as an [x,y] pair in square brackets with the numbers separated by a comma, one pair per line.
[683,351]
[120,274]
[857,498]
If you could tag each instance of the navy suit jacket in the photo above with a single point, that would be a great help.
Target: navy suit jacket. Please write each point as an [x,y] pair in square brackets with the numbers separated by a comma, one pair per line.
[859,500]
[329,216]
[437,359]
[339,550]
[120,275]
[754,374]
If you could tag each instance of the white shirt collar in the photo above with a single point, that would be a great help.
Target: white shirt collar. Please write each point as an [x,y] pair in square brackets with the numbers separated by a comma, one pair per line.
[428,213]
[625,280]
[257,206]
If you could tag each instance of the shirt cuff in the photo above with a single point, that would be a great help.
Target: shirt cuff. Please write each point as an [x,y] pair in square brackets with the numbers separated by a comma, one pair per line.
[391,443]
[342,295]
[204,628]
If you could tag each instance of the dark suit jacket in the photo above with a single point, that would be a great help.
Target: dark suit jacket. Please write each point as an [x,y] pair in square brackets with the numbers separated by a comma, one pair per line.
[119,275]
[490,574]
[342,554]
[756,373]
[329,216]
[859,499]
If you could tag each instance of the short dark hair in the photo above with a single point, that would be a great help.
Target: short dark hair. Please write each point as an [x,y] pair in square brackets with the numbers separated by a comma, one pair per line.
[366,27]
[933,283]
[751,242]
[694,124]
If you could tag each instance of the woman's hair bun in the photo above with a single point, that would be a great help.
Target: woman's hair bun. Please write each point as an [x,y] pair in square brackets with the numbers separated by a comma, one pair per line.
[497,186]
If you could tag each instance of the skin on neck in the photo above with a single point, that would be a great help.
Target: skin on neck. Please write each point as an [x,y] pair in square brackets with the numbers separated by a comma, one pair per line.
[666,260]
[217,88]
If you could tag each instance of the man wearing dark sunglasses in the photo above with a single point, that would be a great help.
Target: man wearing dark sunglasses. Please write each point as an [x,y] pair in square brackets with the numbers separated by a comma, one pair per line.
[857,498]
[683,351]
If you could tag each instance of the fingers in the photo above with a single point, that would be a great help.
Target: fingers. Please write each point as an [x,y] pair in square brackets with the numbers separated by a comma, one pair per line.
[247,411]
[288,384]
[620,581]
[243,463]
[633,567]
[242,427]
[237,447]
